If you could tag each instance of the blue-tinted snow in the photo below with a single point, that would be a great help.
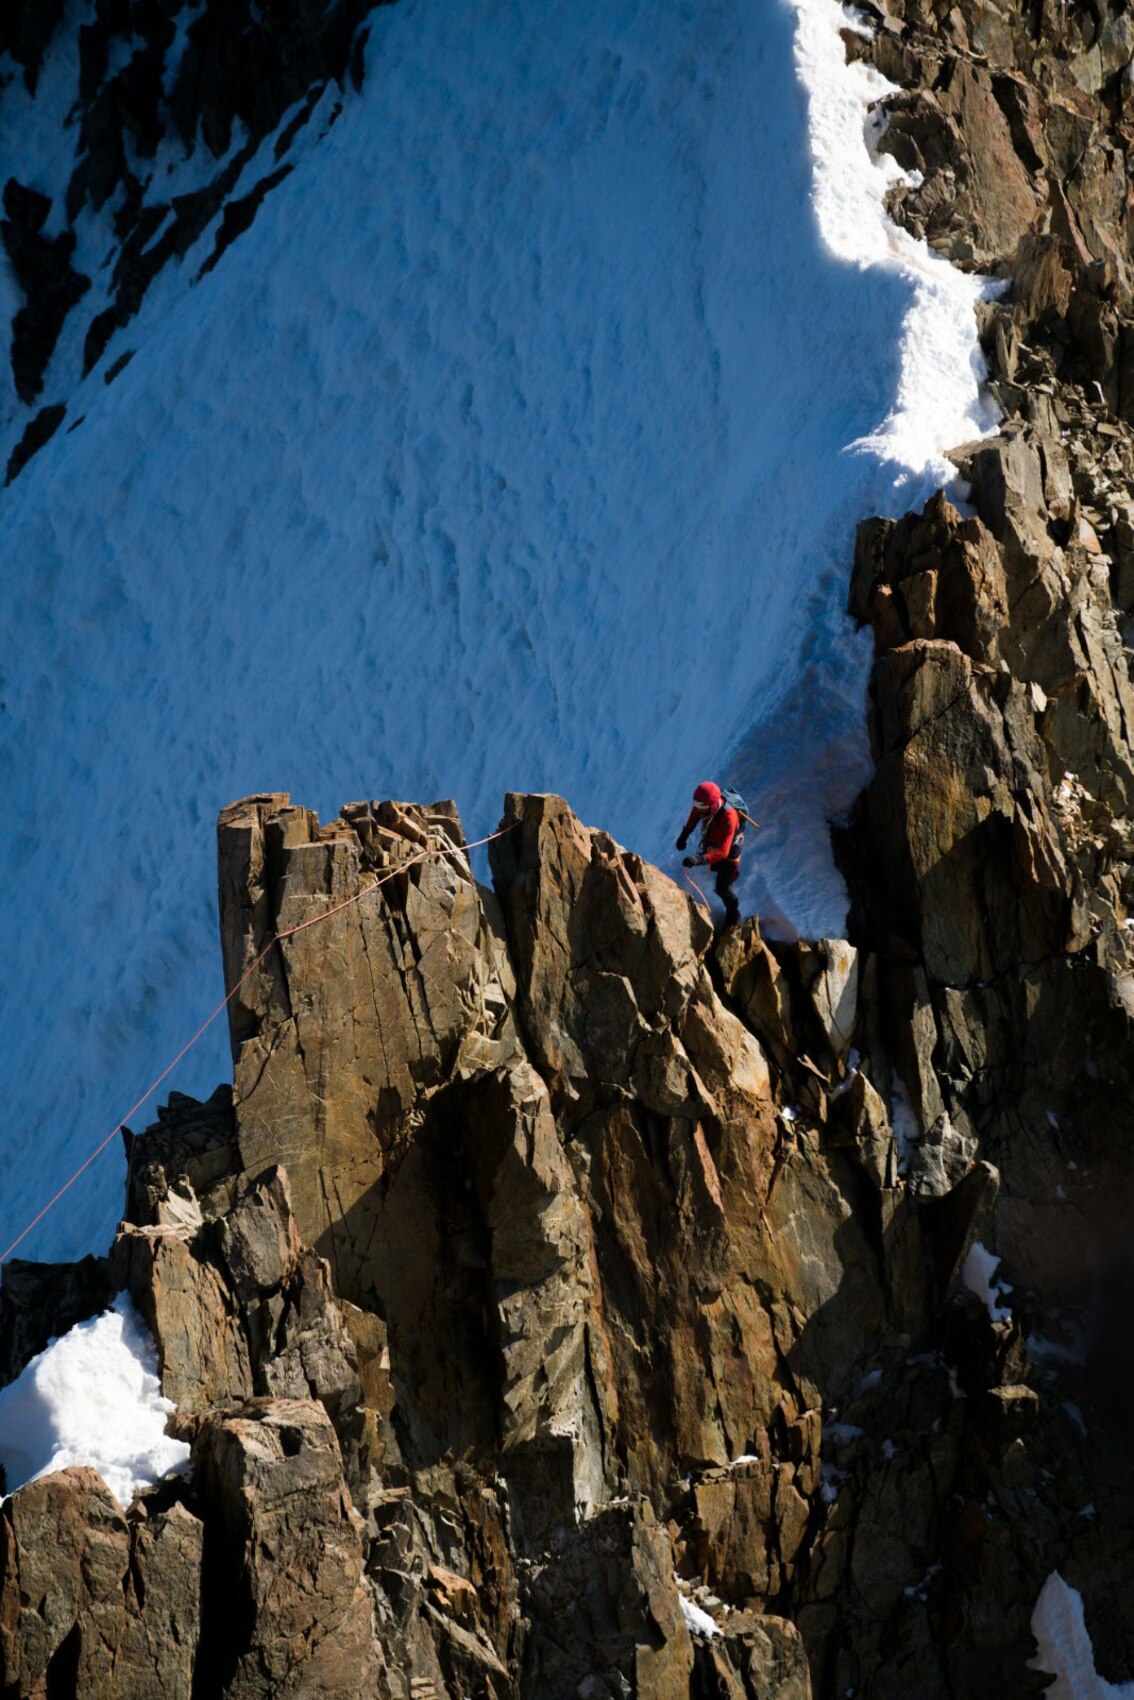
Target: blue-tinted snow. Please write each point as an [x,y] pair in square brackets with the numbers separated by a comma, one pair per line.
[510,449]
[1064,1648]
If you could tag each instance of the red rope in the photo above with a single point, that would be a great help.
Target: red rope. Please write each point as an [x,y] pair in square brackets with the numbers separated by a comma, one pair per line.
[288,933]
[696,888]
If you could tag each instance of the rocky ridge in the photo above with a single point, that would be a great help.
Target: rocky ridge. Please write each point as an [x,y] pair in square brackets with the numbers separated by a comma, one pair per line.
[547,1278]
[990,858]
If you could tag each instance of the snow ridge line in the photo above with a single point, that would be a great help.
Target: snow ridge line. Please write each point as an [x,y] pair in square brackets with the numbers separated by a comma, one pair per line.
[277,938]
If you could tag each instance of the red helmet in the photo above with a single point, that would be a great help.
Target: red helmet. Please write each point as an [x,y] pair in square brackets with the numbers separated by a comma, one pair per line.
[707,797]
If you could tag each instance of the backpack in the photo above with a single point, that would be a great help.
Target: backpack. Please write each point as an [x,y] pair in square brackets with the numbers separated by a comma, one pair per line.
[731,799]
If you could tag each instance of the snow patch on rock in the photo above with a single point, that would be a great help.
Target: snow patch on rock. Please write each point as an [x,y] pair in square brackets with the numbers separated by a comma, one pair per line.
[1064,1647]
[92,1397]
[978,1276]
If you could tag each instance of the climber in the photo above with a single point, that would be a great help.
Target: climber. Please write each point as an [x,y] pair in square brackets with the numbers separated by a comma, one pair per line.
[722,839]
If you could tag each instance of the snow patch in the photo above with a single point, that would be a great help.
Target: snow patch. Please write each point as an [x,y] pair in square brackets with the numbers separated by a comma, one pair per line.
[978,1276]
[939,403]
[92,1397]
[1064,1647]
[698,1622]
[905,1125]
[920,1590]
[830,1478]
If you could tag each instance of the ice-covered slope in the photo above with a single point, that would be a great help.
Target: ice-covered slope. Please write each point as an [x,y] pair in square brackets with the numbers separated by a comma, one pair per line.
[510,448]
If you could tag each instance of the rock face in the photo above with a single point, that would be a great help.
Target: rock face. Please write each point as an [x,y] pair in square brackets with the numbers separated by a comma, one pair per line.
[990,877]
[570,1204]
[990,858]
[91,1603]
[579,1268]
[546,1305]
[1002,704]
[626,1220]
[287,1612]
[358,1059]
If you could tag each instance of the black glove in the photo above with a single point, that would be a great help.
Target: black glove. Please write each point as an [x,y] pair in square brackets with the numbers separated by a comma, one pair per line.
[691,861]
[682,840]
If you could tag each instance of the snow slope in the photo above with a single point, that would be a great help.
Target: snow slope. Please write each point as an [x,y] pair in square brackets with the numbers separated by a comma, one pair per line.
[518,445]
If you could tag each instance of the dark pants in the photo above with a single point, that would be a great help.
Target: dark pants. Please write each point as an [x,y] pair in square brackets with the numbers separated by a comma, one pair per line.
[727,875]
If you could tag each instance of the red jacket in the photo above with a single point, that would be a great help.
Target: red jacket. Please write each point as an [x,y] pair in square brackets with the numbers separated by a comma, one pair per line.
[716,835]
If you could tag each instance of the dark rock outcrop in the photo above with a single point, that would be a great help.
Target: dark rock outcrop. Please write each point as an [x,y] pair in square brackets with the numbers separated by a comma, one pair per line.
[990,859]
[51,285]
[211,82]
[39,1300]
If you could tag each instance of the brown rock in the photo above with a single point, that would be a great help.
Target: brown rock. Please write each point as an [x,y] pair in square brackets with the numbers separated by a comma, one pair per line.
[90,1604]
[955,883]
[1005,1413]
[193,1316]
[859,1120]
[157,1651]
[330,1081]
[64,1553]
[758,1658]
[542,1258]
[551,872]
[757,986]
[954,1222]
[189,1155]
[1042,284]
[607,1611]
[748,1527]
[977,199]
[671,1129]
[239,1306]
[286,1612]
[999,202]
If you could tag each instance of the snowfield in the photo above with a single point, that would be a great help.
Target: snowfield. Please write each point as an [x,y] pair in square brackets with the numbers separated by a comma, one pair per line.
[518,445]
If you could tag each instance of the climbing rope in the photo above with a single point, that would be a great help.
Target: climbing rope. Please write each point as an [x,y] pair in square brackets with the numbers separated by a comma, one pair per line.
[278,938]
[696,888]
